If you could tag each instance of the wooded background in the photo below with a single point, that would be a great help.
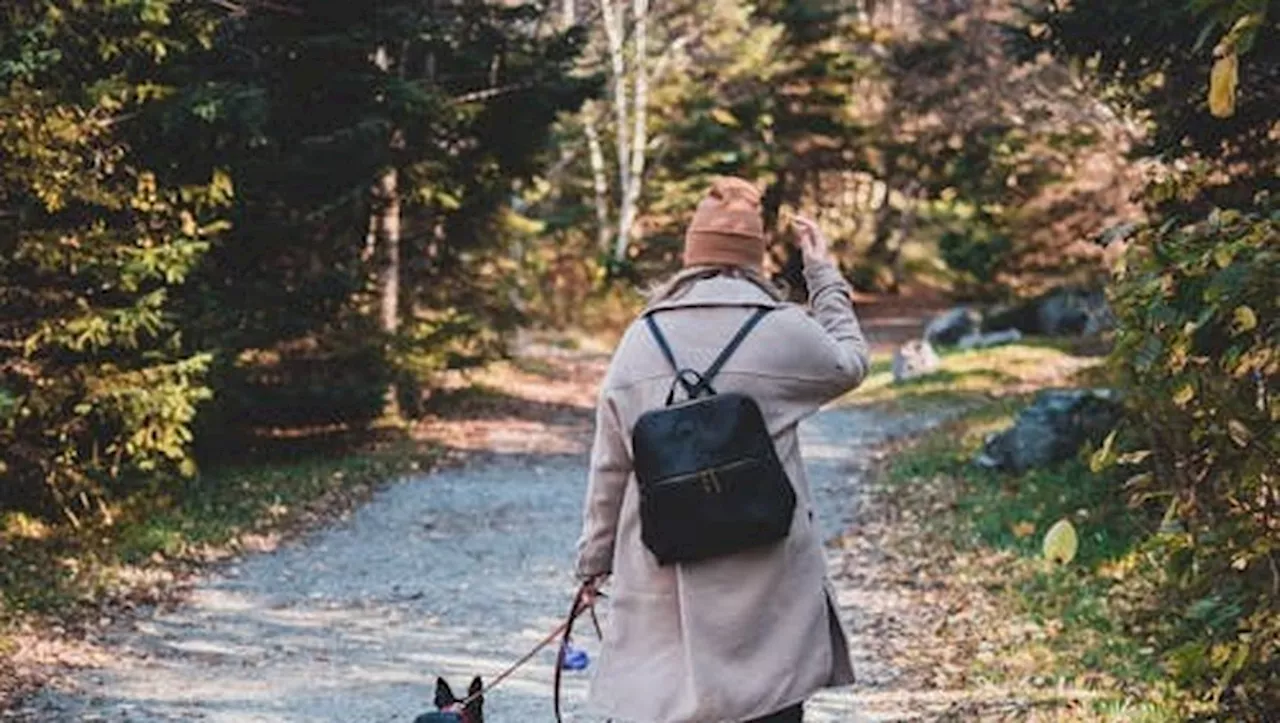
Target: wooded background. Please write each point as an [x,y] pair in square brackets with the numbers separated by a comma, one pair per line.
[224,221]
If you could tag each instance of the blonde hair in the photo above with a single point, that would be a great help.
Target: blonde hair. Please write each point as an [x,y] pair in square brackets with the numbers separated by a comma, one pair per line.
[679,283]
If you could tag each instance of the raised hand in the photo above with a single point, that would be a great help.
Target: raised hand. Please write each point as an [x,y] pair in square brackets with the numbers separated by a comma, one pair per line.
[813,244]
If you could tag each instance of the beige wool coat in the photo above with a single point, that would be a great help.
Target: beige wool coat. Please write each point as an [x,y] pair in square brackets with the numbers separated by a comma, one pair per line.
[742,636]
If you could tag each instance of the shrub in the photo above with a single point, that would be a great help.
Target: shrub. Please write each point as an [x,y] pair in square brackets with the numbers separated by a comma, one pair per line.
[1198,350]
[95,390]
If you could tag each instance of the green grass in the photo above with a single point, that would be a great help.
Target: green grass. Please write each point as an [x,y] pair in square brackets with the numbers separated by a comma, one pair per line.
[966,377]
[59,571]
[1092,644]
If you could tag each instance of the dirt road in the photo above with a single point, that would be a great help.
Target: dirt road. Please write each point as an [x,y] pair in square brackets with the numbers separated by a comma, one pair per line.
[454,573]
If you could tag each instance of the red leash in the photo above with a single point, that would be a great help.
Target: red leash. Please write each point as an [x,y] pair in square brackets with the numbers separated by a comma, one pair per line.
[564,631]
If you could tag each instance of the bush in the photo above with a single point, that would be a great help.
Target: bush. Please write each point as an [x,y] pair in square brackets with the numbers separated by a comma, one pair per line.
[95,390]
[1198,351]
[976,252]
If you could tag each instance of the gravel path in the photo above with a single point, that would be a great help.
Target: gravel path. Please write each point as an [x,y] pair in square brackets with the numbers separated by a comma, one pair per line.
[454,573]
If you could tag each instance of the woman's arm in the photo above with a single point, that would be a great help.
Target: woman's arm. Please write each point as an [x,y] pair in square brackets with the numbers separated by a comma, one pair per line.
[609,470]
[831,303]
[844,358]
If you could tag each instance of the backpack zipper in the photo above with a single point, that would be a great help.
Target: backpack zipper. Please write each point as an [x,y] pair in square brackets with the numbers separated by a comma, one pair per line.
[709,478]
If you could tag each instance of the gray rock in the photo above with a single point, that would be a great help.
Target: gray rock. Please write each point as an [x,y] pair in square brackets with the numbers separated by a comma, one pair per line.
[1067,311]
[978,340]
[913,360]
[950,327]
[1053,429]
[1097,309]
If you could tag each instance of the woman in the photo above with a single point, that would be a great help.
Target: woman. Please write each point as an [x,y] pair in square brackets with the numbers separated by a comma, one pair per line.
[747,636]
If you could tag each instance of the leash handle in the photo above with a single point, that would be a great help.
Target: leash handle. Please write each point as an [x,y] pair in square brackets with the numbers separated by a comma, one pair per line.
[563,632]
[575,611]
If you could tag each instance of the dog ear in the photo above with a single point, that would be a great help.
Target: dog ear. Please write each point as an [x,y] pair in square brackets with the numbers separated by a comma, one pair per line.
[477,685]
[444,694]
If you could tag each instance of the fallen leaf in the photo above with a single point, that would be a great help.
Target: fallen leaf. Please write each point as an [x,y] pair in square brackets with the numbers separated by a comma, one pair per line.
[1239,433]
[1246,320]
[1061,543]
[724,117]
[1222,85]
[1184,395]
[1024,529]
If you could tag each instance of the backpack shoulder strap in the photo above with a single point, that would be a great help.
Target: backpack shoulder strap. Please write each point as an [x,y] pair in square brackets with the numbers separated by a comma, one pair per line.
[733,344]
[690,388]
[703,383]
[658,337]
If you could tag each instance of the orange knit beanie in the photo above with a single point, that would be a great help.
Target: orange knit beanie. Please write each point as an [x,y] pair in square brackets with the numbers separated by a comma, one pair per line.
[727,229]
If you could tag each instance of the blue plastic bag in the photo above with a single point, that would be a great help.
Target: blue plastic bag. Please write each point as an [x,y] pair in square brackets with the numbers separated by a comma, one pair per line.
[574,658]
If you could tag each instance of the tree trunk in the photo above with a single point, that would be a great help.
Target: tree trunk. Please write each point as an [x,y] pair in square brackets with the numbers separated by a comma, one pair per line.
[600,177]
[614,31]
[384,232]
[386,224]
[614,21]
[634,180]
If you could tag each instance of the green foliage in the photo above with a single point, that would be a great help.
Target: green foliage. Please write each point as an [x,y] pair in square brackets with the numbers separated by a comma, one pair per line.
[1154,57]
[92,245]
[185,198]
[976,251]
[1197,346]
[1198,350]
[304,120]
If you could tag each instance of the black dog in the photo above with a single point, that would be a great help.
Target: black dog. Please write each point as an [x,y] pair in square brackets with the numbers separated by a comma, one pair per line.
[449,708]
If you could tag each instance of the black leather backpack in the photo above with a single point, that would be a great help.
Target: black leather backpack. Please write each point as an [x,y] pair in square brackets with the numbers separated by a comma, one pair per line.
[711,483]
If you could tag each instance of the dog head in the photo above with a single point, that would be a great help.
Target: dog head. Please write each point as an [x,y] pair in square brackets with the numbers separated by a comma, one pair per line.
[449,708]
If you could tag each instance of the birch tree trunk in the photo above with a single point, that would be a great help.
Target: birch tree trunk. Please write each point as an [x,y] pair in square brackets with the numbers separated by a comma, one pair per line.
[614,32]
[629,64]
[599,176]
[634,180]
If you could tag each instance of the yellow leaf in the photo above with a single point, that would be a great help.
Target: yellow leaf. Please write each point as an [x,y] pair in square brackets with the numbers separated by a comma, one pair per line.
[1223,256]
[724,117]
[1222,85]
[1102,458]
[1141,479]
[1246,320]
[1023,529]
[1135,457]
[1184,395]
[1061,543]
[1239,433]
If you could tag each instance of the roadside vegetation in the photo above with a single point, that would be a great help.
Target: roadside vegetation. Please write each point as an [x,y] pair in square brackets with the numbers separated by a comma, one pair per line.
[229,227]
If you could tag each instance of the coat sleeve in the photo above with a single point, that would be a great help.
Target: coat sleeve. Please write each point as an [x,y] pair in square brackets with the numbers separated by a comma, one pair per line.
[833,356]
[610,467]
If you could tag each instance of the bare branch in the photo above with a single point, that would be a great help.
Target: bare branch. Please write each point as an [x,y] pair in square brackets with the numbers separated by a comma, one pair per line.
[240,8]
[491,93]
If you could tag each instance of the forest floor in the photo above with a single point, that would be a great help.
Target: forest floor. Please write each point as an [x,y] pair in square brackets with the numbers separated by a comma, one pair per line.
[461,570]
